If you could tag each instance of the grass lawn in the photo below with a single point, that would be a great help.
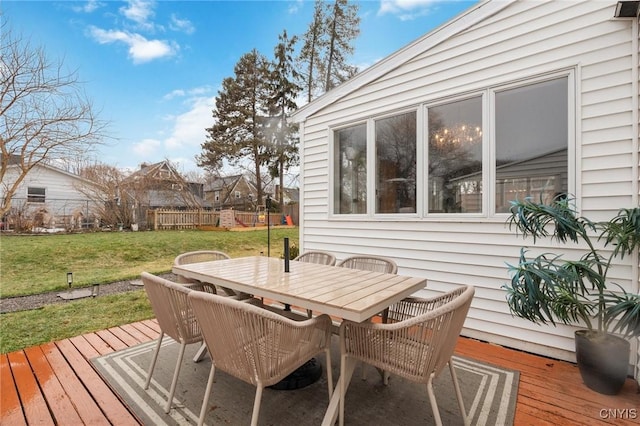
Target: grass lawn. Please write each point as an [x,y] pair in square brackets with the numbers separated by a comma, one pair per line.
[37,264]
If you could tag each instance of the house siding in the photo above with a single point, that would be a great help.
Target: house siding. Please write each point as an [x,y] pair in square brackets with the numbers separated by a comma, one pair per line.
[523,40]
[64,195]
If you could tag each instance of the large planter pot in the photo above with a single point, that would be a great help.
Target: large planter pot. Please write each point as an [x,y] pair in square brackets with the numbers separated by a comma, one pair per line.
[603,360]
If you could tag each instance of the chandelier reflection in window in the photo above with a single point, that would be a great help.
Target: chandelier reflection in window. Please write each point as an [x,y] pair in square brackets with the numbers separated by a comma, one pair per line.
[455,168]
[456,135]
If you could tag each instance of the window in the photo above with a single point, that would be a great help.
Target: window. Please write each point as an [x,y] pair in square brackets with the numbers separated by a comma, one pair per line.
[350,159]
[35,194]
[216,196]
[396,164]
[238,195]
[531,142]
[455,157]
[465,155]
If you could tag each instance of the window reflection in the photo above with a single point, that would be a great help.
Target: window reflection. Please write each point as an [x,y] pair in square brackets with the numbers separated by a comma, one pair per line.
[351,170]
[396,164]
[455,157]
[531,142]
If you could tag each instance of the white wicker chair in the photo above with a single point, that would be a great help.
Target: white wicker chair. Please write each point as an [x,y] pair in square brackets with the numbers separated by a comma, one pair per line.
[370,263]
[176,319]
[416,348]
[317,256]
[202,256]
[314,256]
[256,345]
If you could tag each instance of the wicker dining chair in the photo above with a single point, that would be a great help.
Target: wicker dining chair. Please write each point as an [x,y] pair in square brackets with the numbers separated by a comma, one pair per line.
[317,256]
[416,348]
[370,263]
[314,256]
[255,345]
[176,319]
[202,256]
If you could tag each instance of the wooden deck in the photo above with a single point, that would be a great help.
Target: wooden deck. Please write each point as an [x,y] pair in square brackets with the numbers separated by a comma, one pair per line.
[55,384]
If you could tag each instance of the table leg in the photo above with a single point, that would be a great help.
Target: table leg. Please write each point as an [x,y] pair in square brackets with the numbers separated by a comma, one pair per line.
[331,414]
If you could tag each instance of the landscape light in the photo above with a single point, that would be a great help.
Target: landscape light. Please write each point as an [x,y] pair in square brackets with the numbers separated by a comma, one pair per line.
[70,278]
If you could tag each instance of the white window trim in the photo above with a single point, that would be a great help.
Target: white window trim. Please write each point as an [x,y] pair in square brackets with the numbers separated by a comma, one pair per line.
[425,132]
[488,156]
[37,196]
[571,132]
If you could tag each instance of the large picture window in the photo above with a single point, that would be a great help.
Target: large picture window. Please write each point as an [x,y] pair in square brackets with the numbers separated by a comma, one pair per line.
[471,154]
[350,170]
[531,142]
[455,157]
[396,164]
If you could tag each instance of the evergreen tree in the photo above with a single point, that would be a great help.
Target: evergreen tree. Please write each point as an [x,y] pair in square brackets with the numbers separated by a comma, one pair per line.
[342,27]
[282,101]
[240,115]
[310,57]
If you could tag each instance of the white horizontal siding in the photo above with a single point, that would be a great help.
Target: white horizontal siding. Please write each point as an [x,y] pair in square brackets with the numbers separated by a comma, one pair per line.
[525,39]
[63,192]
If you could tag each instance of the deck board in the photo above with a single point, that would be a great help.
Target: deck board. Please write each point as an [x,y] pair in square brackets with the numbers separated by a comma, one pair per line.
[10,408]
[85,404]
[33,402]
[107,400]
[59,402]
[550,391]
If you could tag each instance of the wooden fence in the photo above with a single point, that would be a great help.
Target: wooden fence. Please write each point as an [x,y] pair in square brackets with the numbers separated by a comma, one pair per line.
[191,219]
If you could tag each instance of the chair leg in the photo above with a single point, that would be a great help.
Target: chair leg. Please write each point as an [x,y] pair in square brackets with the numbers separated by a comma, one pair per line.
[432,401]
[345,369]
[174,382]
[207,393]
[256,405]
[153,361]
[199,356]
[329,373]
[456,386]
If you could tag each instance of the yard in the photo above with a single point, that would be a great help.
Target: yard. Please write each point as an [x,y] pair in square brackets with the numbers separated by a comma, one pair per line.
[36,264]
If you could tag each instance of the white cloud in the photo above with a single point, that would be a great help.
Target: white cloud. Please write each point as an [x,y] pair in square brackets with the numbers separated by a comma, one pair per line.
[405,9]
[147,147]
[178,93]
[193,92]
[183,25]
[189,128]
[139,11]
[140,49]
[88,7]
[294,7]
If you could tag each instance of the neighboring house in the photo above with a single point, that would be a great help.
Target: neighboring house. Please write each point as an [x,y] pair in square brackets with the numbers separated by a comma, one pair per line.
[417,157]
[231,192]
[50,197]
[160,186]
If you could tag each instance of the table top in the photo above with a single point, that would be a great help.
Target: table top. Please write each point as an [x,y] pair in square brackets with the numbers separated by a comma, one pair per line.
[341,292]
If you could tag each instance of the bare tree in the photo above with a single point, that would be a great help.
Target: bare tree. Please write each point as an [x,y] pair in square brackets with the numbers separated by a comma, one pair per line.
[44,113]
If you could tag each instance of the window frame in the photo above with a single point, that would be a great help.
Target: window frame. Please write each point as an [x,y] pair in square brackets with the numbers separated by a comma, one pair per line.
[371,135]
[37,198]
[571,131]
[425,132]
[488,102]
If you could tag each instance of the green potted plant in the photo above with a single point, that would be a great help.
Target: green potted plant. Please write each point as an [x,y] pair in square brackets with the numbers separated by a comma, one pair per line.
[550,289]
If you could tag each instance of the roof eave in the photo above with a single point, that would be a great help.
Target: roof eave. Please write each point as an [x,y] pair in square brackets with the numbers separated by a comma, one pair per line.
[445,31]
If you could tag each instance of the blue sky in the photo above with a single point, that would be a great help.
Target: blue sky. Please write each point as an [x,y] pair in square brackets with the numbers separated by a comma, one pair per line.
[153,68]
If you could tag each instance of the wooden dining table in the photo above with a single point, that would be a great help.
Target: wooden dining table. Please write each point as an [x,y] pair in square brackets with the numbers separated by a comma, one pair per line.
[342,293]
